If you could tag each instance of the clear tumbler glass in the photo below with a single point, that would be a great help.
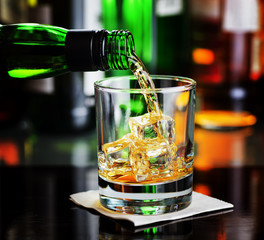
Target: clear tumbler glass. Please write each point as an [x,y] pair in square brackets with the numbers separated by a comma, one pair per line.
[145,159]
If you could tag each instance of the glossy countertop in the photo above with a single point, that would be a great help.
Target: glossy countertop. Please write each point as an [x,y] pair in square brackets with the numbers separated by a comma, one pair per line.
[39,171]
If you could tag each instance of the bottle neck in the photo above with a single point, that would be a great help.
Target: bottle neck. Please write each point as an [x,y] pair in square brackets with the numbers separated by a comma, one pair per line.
[119,47]
[98,50]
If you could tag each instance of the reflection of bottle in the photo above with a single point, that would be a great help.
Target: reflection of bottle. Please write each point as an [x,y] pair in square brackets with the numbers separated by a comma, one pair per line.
[224,54]
[37,51]
[218,149]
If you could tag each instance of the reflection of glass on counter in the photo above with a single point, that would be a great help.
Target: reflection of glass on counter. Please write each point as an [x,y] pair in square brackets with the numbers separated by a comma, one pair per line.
[109,229]
[21,146]
[220,148]
[73,150]
[9,153]
[15,146]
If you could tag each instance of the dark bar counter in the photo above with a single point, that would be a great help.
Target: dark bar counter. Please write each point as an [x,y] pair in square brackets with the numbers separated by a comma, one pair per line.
[38,172]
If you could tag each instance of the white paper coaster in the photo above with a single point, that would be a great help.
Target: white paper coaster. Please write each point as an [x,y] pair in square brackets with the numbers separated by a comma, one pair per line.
[200,204]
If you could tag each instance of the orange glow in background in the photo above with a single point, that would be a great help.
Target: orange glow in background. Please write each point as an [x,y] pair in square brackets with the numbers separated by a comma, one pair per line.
[203,56]
[9,153]
[202,188]
[222,119]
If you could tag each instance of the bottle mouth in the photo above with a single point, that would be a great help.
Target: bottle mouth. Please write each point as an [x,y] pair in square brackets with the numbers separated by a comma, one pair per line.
[121,47]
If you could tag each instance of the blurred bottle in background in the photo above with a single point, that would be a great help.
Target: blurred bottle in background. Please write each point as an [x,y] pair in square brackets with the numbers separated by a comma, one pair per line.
[12,11]
[226,61]
[259,36]
[173,37]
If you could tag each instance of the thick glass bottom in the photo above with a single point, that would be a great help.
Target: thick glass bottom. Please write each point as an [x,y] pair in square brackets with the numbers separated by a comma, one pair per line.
[146,199]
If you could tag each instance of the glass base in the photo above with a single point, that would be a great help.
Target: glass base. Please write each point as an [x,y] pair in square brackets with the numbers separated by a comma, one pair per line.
[146,199]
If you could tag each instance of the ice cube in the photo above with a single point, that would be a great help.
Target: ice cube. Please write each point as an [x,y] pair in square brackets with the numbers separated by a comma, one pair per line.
[117,151]
[173,151]
[143,126]
[102,162]
[121,167]
[158,154]
[139,161]
[167,128]
[151,158]
[115,157]
[117,145]
[161,158]
[150,126]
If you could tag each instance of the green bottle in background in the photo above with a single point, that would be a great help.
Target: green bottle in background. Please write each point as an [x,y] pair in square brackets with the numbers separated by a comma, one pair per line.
[161,29]
[39,51]
[174,46]
[137,16]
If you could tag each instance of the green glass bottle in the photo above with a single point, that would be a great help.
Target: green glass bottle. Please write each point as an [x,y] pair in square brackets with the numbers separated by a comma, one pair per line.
[32,51]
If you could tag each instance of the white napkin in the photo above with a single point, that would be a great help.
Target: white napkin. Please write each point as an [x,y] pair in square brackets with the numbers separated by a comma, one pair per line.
[200,204]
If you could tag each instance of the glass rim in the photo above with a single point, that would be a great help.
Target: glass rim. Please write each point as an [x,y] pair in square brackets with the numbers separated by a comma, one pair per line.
[190,84]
